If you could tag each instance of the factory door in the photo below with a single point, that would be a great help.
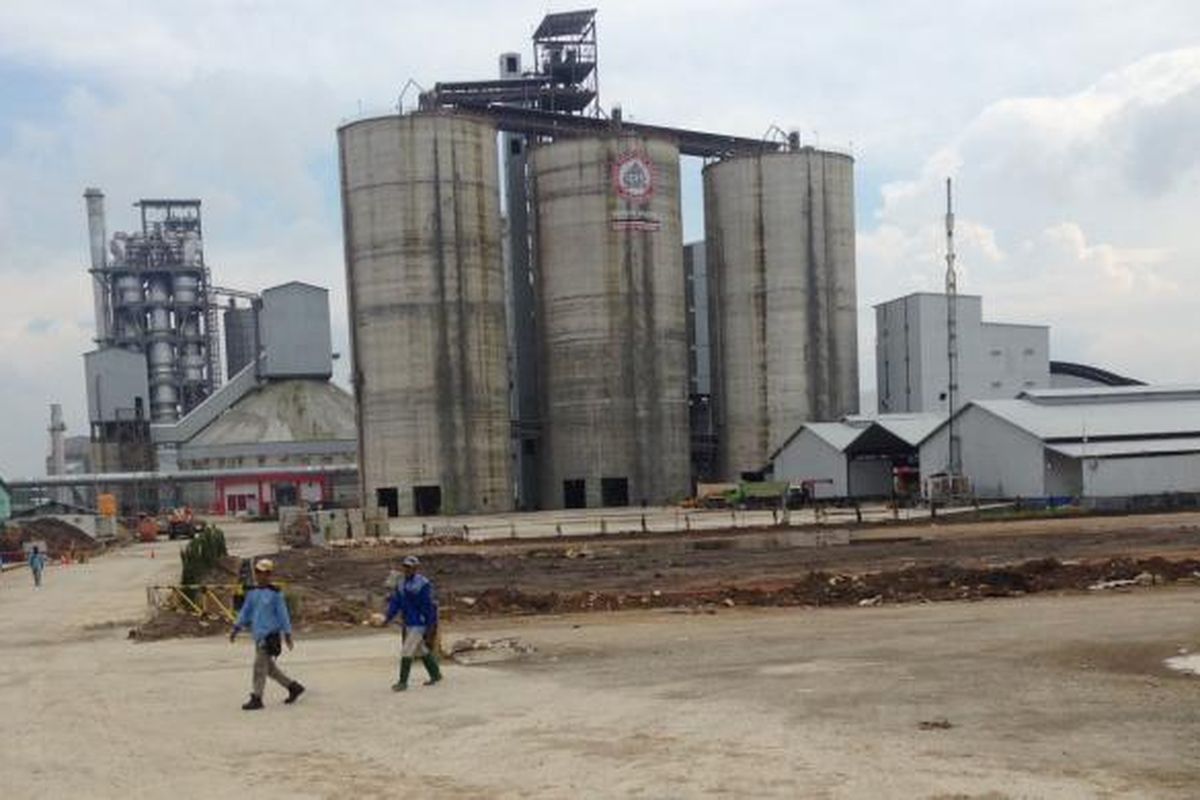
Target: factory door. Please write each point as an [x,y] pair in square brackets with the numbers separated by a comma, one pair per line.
[614,491]
[388,498]
[285,494]
[427,500]
[575,493]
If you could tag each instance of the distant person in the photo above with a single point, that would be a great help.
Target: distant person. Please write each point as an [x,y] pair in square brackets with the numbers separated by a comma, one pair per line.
[264,612]
[37,563]
[413,599]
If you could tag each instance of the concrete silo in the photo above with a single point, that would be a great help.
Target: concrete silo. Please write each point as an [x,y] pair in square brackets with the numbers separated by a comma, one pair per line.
[425,287]
[613,344]
[780,242]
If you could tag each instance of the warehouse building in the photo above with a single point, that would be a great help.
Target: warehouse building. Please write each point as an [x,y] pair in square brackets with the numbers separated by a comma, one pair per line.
[856,457]
[1118,446]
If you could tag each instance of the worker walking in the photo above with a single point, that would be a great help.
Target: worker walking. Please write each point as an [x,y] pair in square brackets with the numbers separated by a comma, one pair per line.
[265,613]
[413,599]
[37,563]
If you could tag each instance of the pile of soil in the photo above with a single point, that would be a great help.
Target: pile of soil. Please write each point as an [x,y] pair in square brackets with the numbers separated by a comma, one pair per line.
[936,582]
[60,537]
[338,588]
[172,624]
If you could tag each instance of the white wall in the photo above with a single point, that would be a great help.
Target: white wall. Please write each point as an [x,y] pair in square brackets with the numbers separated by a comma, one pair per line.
[1012,359]
[995,360]
[1000,459]
[1121,477]
[810,456]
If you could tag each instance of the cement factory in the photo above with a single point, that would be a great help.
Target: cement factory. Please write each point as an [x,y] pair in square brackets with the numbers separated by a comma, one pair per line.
[529,330]
[588,485]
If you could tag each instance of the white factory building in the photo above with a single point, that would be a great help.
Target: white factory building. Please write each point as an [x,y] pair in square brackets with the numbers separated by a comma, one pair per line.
[1030,427]
[995,359]
[857,456]
[1094,443]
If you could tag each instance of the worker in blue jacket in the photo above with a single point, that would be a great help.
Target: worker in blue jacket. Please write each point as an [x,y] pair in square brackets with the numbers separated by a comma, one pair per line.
[414,601]
[265,613]
[37,563]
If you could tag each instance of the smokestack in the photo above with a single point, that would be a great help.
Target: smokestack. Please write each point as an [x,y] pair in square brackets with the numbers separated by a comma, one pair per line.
[58,451]
[97,235]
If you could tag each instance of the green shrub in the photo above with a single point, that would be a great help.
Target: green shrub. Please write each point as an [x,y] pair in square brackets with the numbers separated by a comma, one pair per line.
[202,554]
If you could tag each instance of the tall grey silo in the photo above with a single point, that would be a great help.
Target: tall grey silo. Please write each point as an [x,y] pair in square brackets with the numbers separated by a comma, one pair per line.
[779,229]
[425,288]
[610,289]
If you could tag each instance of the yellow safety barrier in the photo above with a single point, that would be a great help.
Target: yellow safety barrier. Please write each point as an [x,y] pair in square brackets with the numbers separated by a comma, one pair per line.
[200,599]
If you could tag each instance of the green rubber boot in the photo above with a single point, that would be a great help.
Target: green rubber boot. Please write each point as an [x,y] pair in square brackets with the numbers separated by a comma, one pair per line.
[405,668]
[431,666]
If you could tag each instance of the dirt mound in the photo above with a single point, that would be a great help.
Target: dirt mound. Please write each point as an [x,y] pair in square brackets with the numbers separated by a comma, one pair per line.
[60,537]
[172,624]
[930,583]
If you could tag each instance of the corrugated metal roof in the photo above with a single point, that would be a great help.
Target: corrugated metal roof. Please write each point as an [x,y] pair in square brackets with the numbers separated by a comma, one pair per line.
[837,434]
[1106,394]
[565,23]
[1122,416]
[912,428]
[1127,447]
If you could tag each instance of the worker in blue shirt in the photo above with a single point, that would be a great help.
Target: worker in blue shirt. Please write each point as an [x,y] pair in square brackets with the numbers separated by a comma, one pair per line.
[413,600]
[264,612]
[37,563]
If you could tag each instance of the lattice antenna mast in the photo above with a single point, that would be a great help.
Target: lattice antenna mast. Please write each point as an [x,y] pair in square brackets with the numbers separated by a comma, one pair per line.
[955,465]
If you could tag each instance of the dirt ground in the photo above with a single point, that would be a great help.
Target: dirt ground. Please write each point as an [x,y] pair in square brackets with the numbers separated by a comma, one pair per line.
[1042,695]
[770,567]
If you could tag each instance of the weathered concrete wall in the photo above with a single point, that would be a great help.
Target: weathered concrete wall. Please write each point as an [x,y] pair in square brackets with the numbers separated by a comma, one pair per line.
[780,238]
[612,313]
[425,287]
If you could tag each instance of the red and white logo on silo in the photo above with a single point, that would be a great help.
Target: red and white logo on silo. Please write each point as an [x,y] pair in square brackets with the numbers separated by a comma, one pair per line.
[633,177]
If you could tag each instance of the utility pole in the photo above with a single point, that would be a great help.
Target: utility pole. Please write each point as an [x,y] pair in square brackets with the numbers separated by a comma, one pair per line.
[955,465]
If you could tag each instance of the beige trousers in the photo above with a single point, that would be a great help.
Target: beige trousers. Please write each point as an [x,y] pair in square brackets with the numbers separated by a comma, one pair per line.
[413,645]
[264,665]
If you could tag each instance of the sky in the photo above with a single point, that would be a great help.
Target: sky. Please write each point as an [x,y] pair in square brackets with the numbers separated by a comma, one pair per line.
[1069,128]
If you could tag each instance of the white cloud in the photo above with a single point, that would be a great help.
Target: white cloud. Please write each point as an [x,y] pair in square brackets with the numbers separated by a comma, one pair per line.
[1061,220]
